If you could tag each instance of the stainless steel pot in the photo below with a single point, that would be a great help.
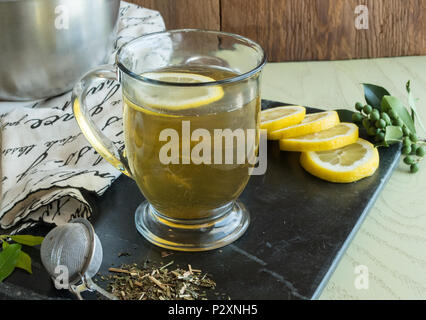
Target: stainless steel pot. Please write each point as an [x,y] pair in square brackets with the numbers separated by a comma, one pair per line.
[46,45]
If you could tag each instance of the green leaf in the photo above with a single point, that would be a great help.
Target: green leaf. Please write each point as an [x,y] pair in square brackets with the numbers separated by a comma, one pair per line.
[393,134]
[8,258]
[374,94]
[27,240]
[412,104]
[24,262]
[381,144]
[389,102]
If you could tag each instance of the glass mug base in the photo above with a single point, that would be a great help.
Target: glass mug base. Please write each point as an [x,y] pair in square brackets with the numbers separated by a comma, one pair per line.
[194,235]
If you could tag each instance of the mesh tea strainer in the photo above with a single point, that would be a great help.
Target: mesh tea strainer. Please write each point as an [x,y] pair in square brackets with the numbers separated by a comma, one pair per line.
[76,247]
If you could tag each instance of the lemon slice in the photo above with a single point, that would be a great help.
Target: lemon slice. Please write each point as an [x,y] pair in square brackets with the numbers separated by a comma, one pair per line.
[336,137]
[281,117]
[178,98]
[311,123]
[347,164]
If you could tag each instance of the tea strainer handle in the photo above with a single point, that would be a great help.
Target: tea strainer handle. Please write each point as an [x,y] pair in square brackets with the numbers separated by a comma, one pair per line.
[87,284]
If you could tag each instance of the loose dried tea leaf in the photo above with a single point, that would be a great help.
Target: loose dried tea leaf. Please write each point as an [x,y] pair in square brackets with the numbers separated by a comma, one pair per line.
[165,254]
[124,254]
[131,282]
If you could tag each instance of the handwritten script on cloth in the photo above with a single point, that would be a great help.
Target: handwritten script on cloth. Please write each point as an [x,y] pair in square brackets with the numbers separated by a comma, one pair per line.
[47,166]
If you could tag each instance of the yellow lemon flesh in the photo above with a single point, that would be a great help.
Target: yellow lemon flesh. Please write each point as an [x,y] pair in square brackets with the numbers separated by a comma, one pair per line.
[343,165]
[338,136]
[311,123]
[178,98]
[280,117]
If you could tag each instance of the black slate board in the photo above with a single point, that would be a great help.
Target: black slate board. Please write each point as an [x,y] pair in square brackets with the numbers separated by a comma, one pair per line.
[300,228]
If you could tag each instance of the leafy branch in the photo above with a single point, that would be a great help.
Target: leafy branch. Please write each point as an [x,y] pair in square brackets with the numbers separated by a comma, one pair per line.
[388,121]
[12,256]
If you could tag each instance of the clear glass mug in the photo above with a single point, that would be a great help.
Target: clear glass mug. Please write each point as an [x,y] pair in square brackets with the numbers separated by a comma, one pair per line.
[188,98]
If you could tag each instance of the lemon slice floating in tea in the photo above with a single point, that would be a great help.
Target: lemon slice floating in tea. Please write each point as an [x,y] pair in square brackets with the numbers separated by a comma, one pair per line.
[280,117]
[347,164]
[336,137]
[177,98]
[312,122]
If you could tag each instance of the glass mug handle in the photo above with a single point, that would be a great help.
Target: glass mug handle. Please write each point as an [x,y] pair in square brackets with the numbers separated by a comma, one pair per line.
[103,145]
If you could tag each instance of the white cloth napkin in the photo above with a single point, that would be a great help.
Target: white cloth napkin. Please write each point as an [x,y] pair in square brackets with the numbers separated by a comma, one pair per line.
[47,166]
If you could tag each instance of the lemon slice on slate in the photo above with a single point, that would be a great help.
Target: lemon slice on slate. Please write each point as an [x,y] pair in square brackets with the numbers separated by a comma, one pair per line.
[347,164]
[338,136]
[280,117]
[312,122]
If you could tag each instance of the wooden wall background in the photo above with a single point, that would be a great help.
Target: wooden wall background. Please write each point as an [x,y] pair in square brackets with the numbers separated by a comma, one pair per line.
[295,30]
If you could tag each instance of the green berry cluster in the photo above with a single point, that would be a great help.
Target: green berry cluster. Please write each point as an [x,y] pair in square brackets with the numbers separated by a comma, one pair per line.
[375,123]
[372,120]
[412,151]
